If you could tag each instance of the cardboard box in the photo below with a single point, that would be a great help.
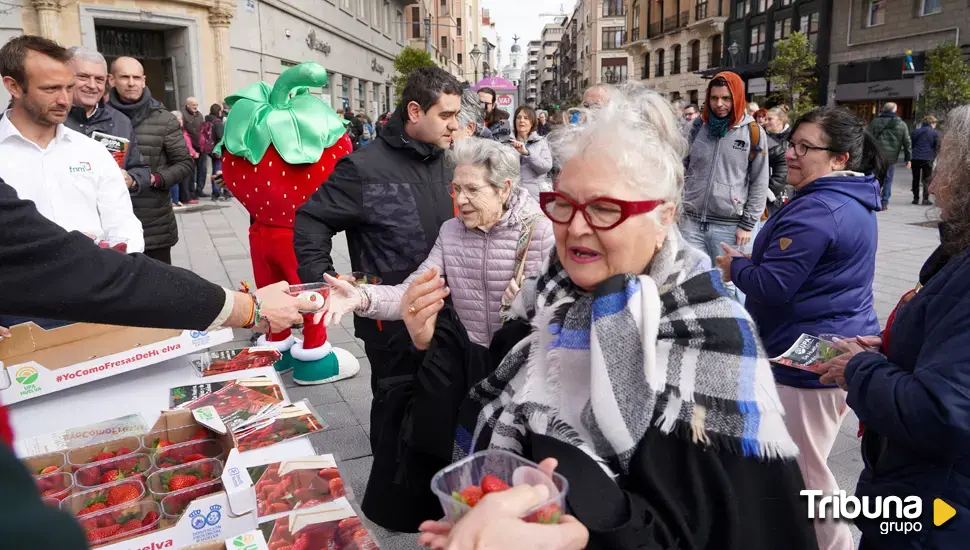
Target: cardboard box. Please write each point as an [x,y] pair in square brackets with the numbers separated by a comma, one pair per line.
[212,518]
[40,362]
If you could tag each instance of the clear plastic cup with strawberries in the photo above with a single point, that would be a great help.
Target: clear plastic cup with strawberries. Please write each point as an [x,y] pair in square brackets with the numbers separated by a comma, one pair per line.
[46,464]
[188,452]
[460,486]
[174,503]
[129,466]
[170,480]
[317,293]
[120,523]
[103,451]
[124,493]
[56,485]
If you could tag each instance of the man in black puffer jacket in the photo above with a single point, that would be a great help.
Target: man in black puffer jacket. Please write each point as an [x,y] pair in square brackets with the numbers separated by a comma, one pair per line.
[391,198]
[162,146]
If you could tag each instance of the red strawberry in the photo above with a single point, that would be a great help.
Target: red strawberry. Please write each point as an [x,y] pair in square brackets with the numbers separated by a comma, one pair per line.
[111,475]
[471,495]
[149,518]
[88,524]
[548,514]
[126,492]
[302,542]
[201,433]
[88,476]
[269,186]
[131,525]
[101,533]
[105,454]
[160,443]
[121,247]
[47,470]
[93,505]
[122,451]
[492,484]
[193,458]
[329,473]
[181,481]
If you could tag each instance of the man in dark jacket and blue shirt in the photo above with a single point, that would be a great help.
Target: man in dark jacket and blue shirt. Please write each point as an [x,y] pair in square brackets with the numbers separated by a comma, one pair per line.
[163,147]
[391,198]
[92,114]
[926,144]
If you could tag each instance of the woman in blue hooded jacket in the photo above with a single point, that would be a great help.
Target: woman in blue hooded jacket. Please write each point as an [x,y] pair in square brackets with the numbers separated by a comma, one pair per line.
[811,271]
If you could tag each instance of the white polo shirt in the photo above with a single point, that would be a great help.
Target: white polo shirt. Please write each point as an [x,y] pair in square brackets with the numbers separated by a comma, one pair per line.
[75,183]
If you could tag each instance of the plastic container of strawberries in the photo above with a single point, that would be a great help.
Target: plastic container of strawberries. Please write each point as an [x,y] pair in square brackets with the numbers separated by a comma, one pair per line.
[206,470]
[130,466]
[38,463]
[79,502]
[174,436]
[56,485]
[470,471]
[173,504]
[184,453]
[82,456]
[120,523]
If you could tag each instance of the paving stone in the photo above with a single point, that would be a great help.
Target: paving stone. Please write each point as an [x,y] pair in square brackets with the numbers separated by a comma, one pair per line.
[337,415]
[338,335]
[323,394]
[344,443]
[355,389]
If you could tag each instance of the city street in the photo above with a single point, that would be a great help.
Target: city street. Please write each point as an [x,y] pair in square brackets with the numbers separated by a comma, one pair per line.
[213,242]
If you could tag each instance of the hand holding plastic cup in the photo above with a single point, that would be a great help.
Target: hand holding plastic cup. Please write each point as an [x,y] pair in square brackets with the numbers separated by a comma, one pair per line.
[118,244]
[316,293]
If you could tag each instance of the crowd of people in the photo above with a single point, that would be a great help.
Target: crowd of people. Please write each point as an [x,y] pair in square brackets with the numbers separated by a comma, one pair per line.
[545,294]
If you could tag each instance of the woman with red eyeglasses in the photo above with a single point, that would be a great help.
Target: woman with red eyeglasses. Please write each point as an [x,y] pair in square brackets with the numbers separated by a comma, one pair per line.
[629,369]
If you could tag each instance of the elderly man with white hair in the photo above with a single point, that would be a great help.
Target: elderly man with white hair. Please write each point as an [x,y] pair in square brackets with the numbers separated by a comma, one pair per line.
[91,114]
[471,118]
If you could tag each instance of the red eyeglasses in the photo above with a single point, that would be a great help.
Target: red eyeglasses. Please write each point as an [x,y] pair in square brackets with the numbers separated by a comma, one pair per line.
[603,213]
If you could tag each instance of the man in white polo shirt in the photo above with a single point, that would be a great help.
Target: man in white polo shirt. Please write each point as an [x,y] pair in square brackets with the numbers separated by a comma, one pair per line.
[73,180]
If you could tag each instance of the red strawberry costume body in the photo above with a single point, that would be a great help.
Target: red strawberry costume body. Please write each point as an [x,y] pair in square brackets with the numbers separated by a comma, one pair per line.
[280,144]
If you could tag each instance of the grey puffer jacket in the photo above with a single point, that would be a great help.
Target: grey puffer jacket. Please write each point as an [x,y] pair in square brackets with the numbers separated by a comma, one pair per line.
[535,166]
[163,148]
[478,267]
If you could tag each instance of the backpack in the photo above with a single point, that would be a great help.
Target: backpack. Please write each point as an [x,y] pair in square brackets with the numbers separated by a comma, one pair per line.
[206,144]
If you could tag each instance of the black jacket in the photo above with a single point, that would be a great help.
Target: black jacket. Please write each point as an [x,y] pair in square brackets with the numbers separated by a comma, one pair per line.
[192,124]
[108,120]
[391,198]
[218,128]
[778,182]
[163,147]
[48,272]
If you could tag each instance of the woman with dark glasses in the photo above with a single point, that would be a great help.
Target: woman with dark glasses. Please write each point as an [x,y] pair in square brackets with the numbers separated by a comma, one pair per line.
[629,369]
[811,272]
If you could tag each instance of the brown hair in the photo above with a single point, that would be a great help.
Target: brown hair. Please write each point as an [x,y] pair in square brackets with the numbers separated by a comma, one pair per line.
[760,113]
[533,119]
[215,109]
[14,53]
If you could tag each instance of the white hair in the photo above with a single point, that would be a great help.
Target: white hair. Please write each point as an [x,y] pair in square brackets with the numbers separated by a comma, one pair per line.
[501,162]
[471,109]
[177,113]
[87,54]
[637,135]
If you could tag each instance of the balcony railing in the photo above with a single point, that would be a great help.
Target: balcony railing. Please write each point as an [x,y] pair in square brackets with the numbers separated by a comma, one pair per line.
[634,34]
[684,18]
[700,12]
[654,29]
[670,23]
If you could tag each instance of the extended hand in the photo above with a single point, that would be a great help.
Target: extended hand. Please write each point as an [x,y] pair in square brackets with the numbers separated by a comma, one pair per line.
[420,306]
[833,371]
[742,236]
[520,147]
[5,333]
[344,298]
[280,311]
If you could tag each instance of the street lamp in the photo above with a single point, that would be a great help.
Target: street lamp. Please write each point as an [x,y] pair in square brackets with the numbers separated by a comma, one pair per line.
[475,54]
[734,50]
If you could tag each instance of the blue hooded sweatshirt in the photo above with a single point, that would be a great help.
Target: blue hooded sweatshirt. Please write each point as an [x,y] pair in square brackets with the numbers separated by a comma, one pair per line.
[812,267]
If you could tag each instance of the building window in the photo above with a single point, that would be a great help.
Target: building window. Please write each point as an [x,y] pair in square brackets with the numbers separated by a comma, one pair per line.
[756,50]
[782,28]
[717,45]
[613,38]
[415,22]
[399,27]
[613,71]
[374,16]
[613,8]
[459,59]
[809,26]
[386,24]
[635,27]
[362,8]
[700,10]
[361,97]
[675,53]
[694,63]
[929,7]
[692,95]
[877,13]
[344,91]
[660,63]
[741,9]
[459,25]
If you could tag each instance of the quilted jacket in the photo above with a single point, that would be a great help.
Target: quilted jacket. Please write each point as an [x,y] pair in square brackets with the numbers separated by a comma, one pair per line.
[477,266]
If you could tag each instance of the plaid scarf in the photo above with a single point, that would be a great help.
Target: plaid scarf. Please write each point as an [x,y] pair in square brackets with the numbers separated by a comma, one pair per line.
[667,349]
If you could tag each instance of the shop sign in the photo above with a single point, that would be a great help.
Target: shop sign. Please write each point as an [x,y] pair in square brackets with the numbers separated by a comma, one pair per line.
[885,89]
[757,86]
[315,44]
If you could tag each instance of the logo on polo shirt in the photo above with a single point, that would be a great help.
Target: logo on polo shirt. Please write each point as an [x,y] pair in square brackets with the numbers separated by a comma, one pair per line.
[81,168]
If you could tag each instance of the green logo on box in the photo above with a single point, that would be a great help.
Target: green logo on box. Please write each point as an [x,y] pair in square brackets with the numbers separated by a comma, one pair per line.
[27,375]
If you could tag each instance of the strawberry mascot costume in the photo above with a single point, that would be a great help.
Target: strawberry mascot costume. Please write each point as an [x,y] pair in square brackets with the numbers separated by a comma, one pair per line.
[280,144]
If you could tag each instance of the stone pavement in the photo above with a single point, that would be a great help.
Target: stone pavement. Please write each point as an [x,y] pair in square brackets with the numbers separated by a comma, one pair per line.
[214,243]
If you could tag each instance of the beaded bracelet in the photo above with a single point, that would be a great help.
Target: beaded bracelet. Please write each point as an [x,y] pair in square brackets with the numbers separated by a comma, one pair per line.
[255,316]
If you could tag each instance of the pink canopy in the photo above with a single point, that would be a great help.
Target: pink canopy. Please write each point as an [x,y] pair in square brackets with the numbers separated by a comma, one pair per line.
[496,83]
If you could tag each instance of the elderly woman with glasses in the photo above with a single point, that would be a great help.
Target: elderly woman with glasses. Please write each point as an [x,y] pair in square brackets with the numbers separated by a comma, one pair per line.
[634,373]
[811,272]
[479,252]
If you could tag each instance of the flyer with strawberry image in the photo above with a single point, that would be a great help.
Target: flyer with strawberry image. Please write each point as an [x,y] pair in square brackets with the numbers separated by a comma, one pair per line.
[293,421]
[295,484]
[238,405]
[232,360]
[330,526]
[180,396]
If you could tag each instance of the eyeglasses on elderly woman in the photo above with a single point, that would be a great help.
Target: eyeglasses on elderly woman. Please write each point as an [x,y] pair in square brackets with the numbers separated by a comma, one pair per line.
[603,213]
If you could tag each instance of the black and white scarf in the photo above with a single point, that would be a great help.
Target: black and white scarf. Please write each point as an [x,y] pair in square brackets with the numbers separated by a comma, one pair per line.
[667,349]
